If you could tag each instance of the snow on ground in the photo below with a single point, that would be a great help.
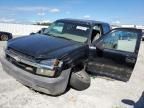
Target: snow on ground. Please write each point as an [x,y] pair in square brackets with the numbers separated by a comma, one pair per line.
[103,93]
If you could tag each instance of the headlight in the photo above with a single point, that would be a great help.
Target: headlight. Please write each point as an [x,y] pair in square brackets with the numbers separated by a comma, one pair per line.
[45,72]
[47,67]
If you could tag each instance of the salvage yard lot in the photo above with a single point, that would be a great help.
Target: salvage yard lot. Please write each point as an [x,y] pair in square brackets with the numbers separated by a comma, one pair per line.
[103,92]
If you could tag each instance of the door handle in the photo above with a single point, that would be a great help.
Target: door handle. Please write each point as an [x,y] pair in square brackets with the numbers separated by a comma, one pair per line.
[130,60]
[92,47]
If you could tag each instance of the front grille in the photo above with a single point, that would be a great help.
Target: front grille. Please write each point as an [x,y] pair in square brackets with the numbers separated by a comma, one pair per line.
[24,56]
[21,65]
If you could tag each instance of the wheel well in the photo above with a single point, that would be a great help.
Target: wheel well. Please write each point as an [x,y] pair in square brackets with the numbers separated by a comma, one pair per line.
[77,67]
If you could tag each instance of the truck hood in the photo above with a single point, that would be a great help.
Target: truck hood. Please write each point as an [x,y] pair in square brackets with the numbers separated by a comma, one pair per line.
[42,46]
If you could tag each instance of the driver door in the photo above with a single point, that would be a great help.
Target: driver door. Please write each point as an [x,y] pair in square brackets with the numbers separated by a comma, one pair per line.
[115,54]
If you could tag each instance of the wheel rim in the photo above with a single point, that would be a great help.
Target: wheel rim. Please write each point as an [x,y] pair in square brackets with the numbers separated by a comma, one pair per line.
[4,37]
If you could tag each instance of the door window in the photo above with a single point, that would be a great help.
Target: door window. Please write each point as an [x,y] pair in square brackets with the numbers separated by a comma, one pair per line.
[120,40]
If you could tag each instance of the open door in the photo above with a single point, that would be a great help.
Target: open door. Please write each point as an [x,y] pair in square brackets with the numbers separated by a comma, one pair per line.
[115,53]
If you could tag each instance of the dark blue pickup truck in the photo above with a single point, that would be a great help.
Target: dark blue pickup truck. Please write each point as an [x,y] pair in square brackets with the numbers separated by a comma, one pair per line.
[67,51]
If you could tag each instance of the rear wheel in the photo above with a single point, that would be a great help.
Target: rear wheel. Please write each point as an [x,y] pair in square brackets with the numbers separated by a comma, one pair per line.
[4,37]
[80,80]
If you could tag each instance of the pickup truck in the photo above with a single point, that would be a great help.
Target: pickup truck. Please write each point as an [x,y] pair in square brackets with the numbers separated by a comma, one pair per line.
[70,50]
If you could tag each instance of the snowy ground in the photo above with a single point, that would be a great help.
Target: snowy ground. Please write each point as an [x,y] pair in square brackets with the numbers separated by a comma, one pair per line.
[103,93]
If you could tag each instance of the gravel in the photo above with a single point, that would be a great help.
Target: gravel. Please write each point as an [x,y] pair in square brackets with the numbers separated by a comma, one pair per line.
[103,92]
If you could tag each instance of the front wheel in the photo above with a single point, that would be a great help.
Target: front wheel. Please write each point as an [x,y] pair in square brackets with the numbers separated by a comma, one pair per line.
[80,80]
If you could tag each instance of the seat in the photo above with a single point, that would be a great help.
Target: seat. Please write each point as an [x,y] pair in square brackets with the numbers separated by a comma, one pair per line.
[95,35]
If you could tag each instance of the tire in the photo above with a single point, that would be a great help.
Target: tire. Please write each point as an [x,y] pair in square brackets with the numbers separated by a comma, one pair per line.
[80,80]
[4,37]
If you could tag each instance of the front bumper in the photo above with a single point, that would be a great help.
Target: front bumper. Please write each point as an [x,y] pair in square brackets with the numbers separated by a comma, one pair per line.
[52,86]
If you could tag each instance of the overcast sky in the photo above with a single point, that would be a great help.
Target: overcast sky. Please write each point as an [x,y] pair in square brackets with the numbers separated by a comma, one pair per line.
[112,11]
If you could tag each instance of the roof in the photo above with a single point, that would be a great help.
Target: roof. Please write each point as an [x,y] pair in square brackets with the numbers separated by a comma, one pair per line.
[81,21]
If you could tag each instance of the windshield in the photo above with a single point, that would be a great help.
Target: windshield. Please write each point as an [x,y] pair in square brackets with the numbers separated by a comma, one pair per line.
[70,31]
